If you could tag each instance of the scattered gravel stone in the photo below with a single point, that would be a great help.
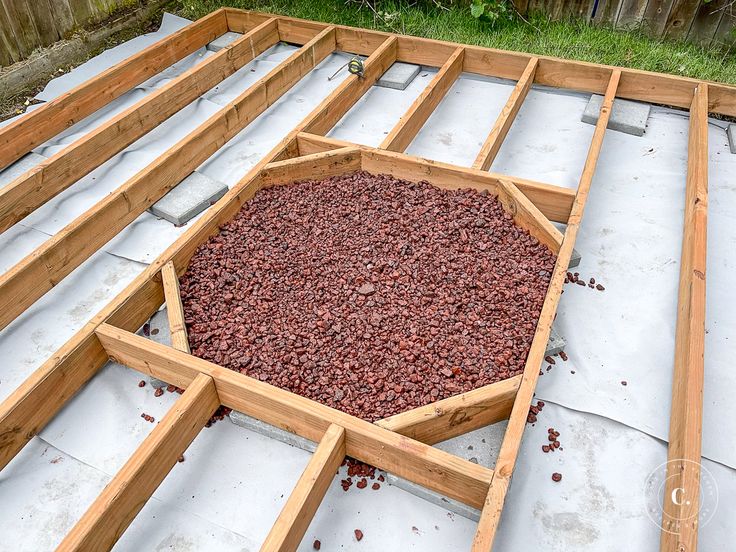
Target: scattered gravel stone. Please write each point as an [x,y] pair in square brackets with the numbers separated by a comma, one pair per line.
[142,383]
[556,477]
[386,290]
[317,545]
[358,534]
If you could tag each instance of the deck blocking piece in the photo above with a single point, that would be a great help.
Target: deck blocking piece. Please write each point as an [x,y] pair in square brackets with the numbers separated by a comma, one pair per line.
[223,40]
[273,432]
[626,116]
[399,76]
[189,198]
[399,444]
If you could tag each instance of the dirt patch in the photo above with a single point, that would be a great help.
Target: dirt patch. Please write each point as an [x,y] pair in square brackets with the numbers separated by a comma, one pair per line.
[366,293]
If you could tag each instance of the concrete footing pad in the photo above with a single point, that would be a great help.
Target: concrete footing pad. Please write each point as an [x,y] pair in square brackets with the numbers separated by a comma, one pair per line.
[732,137]
[223,40]
[435,498]
[399,76]
[555,344]
[574,259]
[273,432]
[189,198]
[158,331]
[25,163]
[626,116]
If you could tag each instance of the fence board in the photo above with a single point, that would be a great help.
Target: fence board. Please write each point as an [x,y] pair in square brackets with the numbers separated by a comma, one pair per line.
[706,22]
[681,18]
[631,14]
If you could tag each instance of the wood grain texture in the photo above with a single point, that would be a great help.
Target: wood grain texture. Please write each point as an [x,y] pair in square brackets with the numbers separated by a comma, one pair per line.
[491,512]
[456,415]
[34,188]
[174,308]
[115,508]
[296,515]
[24,134]
[505,119]
[681,506]
[417,462]
[411,122]
[56,258]
[309,167]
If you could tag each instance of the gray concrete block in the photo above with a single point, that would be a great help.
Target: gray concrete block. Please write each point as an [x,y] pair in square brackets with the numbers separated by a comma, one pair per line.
[273,432]
[223,40]
[398,76]
[14,170]
[555,344]
[732,137]
[626,116]
[158,331]
[574,259]
[434,498]
[189,198]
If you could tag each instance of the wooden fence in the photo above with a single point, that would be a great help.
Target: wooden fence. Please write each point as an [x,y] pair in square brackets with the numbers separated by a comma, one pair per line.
[708,24]
[29,24]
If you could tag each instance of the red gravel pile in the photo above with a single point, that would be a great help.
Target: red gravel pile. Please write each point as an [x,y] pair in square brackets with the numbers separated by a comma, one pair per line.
[367,293]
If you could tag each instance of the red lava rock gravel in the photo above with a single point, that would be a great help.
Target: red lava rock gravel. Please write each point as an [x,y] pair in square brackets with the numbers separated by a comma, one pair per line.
[317,545]
[358,534]
[366,293]
[556,477]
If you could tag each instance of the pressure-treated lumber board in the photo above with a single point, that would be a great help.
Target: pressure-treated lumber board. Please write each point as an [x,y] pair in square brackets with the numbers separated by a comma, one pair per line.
[24,134]
[505,119]
[110,514]
[553,201]
[32,189]
[352,88]
[406,129]
[40,271]
[491,513]
[448,418]
[634,84]
[174,308]
[680,517]
[307,167]
[417,462]
[297,513]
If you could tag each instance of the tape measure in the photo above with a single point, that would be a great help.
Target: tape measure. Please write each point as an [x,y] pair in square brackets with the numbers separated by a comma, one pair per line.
[355,66]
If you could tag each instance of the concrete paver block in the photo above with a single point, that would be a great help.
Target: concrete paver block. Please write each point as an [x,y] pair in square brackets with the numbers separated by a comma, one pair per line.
[626,116]
[574,259]
[434,498]
[14,170]
[273,432]
[555,344]
[732,137]
[223,40]
[398,76]
[158,331]
[189,198]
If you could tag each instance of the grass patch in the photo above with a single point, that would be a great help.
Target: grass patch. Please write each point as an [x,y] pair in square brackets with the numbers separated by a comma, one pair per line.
[565,39]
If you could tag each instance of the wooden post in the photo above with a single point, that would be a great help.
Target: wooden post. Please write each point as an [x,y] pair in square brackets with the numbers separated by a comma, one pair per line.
[174,308]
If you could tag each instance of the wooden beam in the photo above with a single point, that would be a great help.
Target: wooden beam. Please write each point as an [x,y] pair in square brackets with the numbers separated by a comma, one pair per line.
[417,462]
[506,118]
[24,134]
[491,512]
[352,89]
[174,308]
[121,500]
[50,263]
[456,415]
[297,513]
[34,188]
[324,164]
[409,125]
[680,516]
[313,143]
[553,202]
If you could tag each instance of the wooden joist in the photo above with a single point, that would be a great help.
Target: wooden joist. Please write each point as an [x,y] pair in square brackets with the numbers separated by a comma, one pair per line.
[34,188]
[297,513]
[174,308]
[24,134]
[115,508]
[505,119]
[506,461]
[425,465]
[456,415]
[681,505]
[409,125]
[40,271]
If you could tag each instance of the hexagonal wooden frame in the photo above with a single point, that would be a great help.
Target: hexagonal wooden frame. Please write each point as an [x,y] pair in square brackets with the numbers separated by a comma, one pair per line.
[399,444]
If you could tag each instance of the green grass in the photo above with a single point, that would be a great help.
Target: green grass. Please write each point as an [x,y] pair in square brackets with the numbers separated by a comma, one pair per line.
[571,40]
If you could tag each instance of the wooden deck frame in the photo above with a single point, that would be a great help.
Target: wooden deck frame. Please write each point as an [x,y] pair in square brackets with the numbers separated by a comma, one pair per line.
[533,205]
